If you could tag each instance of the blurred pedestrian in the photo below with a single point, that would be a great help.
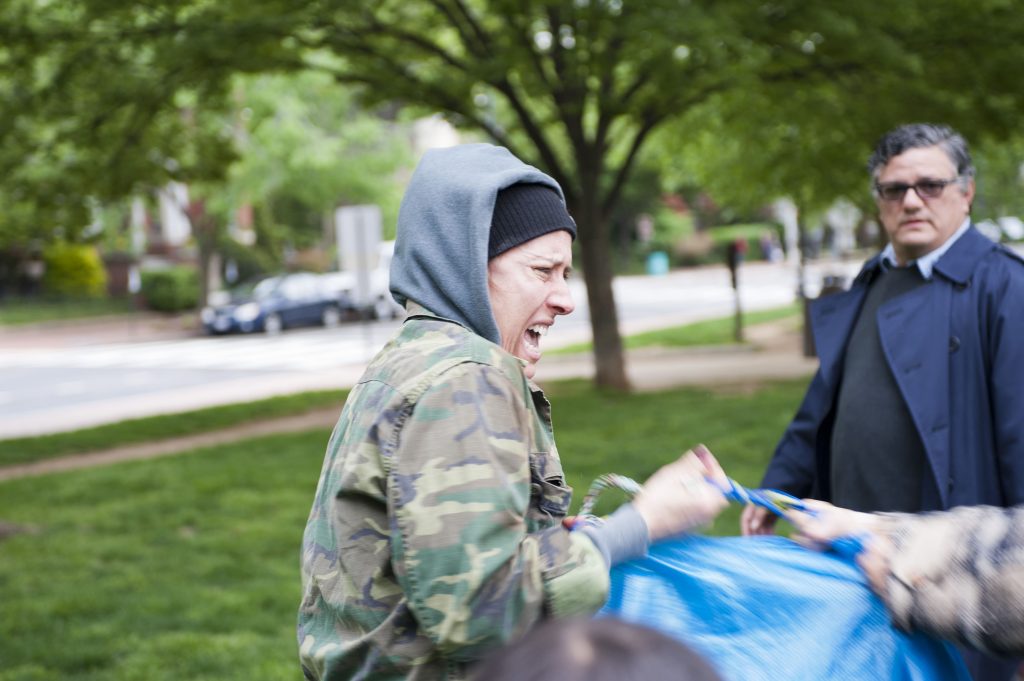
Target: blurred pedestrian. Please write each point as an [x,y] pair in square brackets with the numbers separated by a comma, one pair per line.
[436,532]
[602,649]
[916,404]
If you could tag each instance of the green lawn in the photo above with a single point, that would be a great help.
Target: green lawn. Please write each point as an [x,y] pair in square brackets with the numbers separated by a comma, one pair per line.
[186,567]
[709,332]
[14,312]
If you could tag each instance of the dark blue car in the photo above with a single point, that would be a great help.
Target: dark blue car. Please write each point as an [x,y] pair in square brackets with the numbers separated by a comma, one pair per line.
[276,303]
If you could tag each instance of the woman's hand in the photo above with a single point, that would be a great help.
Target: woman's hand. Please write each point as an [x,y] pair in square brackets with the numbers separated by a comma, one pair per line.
[823,523]
[678,497]
[757,520]
[874,561]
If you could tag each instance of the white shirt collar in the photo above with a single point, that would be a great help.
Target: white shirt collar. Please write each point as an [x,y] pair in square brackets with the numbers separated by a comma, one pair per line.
[927,261]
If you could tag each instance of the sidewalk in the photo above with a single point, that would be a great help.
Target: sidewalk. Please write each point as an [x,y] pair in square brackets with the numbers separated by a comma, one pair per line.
[137,327]
[774,353]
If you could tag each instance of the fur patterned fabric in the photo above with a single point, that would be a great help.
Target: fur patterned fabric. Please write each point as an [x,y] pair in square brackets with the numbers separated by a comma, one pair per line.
[959,575]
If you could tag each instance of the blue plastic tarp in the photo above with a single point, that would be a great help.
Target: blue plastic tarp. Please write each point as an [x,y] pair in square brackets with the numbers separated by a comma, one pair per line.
[767,608]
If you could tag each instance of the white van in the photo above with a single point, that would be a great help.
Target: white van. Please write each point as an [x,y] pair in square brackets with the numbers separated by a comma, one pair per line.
[376,302]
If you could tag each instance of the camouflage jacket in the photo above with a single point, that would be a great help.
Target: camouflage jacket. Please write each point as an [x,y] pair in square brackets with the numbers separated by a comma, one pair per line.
[959,575]
[436,534]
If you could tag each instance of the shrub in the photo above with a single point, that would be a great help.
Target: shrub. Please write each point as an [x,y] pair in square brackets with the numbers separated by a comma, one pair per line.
[695,249]
[73,271]
[171,290]
[751,233]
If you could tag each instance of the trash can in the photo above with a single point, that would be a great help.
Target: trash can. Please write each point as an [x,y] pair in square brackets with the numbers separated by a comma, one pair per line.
[830,283]
[657,263]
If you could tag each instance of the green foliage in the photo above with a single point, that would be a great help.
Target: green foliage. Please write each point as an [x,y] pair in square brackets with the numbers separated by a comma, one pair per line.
[134,431]
[185,567]
[250,261]
[116,236]
[751,102]
[670,226]
[73,271]
[1000,179]
[103,100]
[306,147]
[710,246]
[173,289]
[751,233]
[811,141]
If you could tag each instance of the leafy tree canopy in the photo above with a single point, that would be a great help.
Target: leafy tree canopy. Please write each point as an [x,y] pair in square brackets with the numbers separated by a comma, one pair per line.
[96,88]
[306,147]
[100,100]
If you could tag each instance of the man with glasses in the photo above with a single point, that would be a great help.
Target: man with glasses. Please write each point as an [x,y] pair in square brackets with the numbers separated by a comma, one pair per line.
[918,402]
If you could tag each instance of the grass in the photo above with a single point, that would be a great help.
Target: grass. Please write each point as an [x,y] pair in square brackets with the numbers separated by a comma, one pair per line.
[151,428]
[709,332]
[182,568]
[15,312]
[635,434]
[186,567]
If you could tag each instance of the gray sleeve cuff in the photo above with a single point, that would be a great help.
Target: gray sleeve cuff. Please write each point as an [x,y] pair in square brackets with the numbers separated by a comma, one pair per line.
[623,536]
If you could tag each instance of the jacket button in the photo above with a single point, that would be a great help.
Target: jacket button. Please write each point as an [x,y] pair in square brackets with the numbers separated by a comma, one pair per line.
[954,343]
[961,285]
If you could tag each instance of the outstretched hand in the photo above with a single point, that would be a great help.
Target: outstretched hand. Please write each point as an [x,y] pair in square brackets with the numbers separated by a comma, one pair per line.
[822,523]
[682,495]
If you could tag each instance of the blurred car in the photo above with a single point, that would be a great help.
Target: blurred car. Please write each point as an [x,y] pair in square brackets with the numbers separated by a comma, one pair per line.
[376,301]
[277,303]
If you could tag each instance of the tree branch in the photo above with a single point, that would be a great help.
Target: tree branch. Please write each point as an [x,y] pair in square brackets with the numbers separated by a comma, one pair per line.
[480,45]
[648,122]
[361,37]
[565,96]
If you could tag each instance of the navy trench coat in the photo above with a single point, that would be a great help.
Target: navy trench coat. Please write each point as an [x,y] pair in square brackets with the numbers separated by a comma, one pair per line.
[956,350]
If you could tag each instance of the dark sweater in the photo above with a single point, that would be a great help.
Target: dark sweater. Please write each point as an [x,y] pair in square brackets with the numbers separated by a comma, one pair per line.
[877,457]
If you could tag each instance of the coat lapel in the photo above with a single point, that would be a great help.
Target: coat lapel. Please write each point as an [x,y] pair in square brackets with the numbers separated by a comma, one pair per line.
[832,319]
[914,330]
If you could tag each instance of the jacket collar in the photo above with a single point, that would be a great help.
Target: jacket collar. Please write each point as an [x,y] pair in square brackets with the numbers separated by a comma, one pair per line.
[956,264]
[960,260]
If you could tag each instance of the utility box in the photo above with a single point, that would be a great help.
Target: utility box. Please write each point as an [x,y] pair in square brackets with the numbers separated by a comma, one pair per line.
[657,263]
[358,231]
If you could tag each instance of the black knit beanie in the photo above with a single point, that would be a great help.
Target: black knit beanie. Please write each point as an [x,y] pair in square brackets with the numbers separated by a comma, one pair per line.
[523,212]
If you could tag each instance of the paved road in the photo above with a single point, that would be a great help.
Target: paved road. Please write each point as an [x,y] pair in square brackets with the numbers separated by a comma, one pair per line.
[73,377]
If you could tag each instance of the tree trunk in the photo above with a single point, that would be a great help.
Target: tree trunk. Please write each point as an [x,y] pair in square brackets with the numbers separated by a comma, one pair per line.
[737,323]
[801,287]
[595,248]
[204,230]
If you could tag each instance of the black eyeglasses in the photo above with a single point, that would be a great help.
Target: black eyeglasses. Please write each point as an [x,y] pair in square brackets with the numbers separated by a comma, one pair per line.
[926,189]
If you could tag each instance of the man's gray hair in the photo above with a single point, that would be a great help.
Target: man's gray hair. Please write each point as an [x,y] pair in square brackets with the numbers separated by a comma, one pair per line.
[917,135]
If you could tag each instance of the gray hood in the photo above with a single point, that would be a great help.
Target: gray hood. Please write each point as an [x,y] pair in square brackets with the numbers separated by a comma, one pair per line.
[444,224]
